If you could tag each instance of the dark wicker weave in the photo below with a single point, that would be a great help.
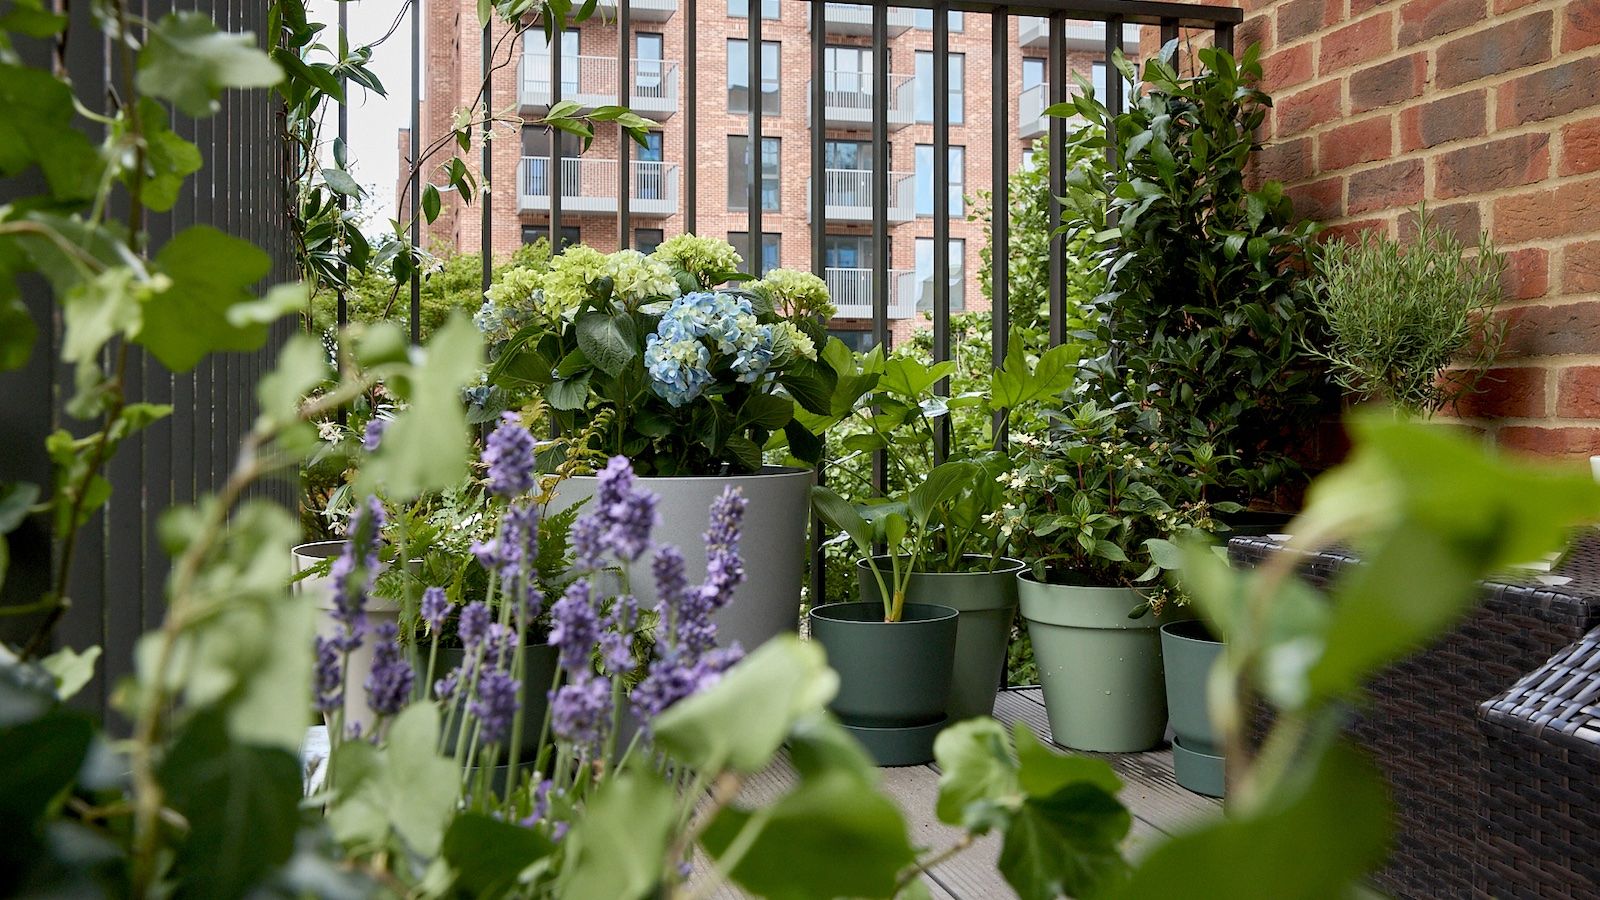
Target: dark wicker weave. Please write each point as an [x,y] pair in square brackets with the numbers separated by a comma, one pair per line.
[1542,810]
[1422,722]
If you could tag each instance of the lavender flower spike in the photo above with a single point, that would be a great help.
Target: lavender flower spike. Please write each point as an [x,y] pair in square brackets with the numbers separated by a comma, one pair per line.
[575,627]
[496,705]
[435,608]
[509,455]
[629,513]
[389,683]
[474,624]
[329,675]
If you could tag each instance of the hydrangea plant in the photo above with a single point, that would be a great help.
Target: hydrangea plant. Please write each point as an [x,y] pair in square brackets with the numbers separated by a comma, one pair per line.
[657,358]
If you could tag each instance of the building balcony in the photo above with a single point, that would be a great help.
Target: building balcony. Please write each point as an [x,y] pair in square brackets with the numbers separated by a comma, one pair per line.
[592,81]
[1034,31]
[852,19]
[851,290]
[640,10]
[847,194]
[1031,120]
[589,185]
[851,107]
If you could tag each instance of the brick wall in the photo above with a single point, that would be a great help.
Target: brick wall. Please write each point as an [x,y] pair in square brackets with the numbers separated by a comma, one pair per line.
[1489,110]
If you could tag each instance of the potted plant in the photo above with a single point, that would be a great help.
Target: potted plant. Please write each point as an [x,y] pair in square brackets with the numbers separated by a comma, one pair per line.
[1399,316]
[646,357]
[1189,651]
[1092,509]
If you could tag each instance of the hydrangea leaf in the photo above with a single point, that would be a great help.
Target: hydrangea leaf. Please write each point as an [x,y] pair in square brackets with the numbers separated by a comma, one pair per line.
[609,341]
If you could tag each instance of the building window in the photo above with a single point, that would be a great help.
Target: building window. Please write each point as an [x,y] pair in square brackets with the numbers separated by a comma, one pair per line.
[739,77]
[739,172]
[650,173]
[926,293]
[1097,77]
[646,240]
[855,156]
[569,235]
[740,9]
[847,70]
[847,251]
[924,87]
[859,341]
[649,66]
[537,49]
[958,181]
[1032,72]
[771,250]
[923,19]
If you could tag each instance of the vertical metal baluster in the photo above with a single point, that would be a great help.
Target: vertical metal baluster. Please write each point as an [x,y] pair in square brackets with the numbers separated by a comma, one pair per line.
[1114,93]
[416,167]
[486,189]
[691,143]
[941,215]
[557,42]
[1057,65]
[880,204]
[753,171]
[1169,31]
[343,302]
[819,252]
[1222,36]
[624,151]
[1000,208]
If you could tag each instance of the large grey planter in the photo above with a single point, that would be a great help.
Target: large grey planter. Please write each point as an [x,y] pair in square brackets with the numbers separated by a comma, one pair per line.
[987,602]
[1100,670]
[894,677]
[538,676]
[1189,653]
[319,589]
[773,543]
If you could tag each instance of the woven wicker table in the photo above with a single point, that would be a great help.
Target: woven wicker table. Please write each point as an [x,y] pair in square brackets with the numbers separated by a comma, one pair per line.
[1457,838]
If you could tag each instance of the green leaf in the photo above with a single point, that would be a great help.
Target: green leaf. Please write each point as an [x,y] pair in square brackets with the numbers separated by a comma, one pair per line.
[569,393]
[975,767]
[745,451]
[280,300]
[910,378]
[942,485]
[43,756]
[742,720]
[1043,772]
[70,669]
[29,17]
[16,498]
[209,272]
[17,332]
[186,60]
[615,850]
[430,203]
[168,158]
[1065,844]
[844,516]
[406,787]
[767,411]
[96,310]
[241,804]
[488,854]
[302,365]
[427,446]
[38,128]
[608,341]
[342,182]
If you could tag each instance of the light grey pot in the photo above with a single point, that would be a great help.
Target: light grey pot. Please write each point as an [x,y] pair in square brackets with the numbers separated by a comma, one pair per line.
[987,602]
[319,589]
[772,542]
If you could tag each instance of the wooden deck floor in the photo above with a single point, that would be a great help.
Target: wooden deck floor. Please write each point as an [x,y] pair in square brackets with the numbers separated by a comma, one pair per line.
[1150,792]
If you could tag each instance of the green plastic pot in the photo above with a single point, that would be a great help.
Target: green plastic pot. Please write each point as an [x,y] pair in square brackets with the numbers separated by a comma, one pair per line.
[1101,671]
[539,665]
[1190,653]
[894,677]
[987,603]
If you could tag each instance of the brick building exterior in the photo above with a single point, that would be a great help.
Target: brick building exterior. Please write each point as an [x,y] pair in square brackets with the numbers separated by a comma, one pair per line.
[519,188]
[1489,110]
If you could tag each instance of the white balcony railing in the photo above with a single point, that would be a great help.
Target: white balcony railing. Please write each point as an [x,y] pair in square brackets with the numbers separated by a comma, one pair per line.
[589,185]
[1031,120]
[592,81]
[1034,31]
[851,290]
[641,10]
[848,195]
[848,104]
[852,18]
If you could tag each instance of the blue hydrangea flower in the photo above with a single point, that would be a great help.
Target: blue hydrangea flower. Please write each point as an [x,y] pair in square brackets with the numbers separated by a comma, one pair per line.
[679,369]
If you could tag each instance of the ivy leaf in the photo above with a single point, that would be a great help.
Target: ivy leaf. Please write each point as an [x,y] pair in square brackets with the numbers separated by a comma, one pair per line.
[97,310]
[38,128]
[427,446]
[1065,844]
[29,17]
[17,333]
[70,669]
[488,854]
[210,272]
[169,158]
[975,767]
[615,850]
[187,61]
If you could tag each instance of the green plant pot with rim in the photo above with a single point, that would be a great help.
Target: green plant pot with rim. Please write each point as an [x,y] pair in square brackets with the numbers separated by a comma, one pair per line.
[987,603]
[1100,670]
[1189,652]
[894,677]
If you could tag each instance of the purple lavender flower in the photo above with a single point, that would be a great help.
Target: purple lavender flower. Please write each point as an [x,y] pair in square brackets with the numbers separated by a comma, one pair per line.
[435,608]
[496,705]
[588,549]
[445,688]
[509,455]
[575,627]
[389,683]
[373,436]
[674,677]
[672,584]
[354,571]
[616,638]
[474,624]
[501,639]
[724,566]
[579,712]
[628,512]
[329,675]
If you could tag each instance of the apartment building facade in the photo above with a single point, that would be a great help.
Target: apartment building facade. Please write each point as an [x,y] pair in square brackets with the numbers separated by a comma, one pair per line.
[522,177]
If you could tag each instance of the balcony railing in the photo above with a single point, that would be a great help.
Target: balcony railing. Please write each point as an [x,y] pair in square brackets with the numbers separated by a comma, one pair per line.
[848,195]
[848,105]
[589,185]
[640,10]
[851,290]
[1031,120]
[853,19]
[592,81]
[1034,31]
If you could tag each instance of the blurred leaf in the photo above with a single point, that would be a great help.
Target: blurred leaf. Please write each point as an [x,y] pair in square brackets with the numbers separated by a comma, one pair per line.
[427,446]
[406,787]
[975,767]
[615,850]
[38,129]
[488,854]
[186,60]
[302,365]
[17,332]
[210,273]
[70,669]
[1066,844]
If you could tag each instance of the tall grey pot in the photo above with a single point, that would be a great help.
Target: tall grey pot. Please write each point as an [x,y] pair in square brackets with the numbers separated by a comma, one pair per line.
[1190,653]
[987,602]
[1101,671]
[538,676]
[894,677]
[773,543]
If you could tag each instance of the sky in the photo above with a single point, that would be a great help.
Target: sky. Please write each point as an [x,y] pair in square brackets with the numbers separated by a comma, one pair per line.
[374,121]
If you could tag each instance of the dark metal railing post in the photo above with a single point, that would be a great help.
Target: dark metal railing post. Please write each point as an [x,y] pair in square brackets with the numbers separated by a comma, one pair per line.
[880,205]
[1056,64]
[1114,88]
[342,301]
[624,152]
[1169,31]
[554,179]
[691,110]
[487,189]
[753,171]
[1222,36]
[819,253]
[416,167]
[941,215]
[1000,205]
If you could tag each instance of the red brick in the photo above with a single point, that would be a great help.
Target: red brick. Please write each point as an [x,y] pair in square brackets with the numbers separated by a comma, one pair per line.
[1510,162]
[1286,161]
[1286,68]
[1460,219]
[1319,200]
[1357,7]
[1548,93]
[1578,393]
[1421,20]
[1580,268]
[1580,148]
[1560,443]
[1441,121]
[1355,44]
[1386,187]
[1352,232]
[1308,109]
[1580,25]
[1256,29]
[1567,329]
[1358,142]
[1504,393]
[1298,18]
[1501,7]
[1527,274]
[1516,44]
[1385,84]
[1572,208]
